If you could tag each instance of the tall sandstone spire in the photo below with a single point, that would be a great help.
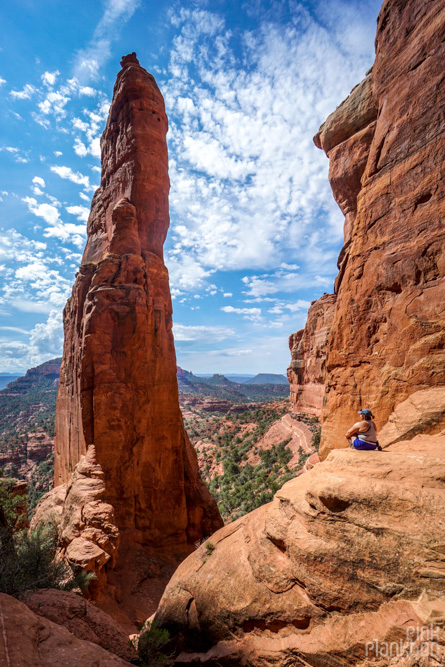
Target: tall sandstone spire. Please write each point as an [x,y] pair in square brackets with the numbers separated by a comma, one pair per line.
[118,388]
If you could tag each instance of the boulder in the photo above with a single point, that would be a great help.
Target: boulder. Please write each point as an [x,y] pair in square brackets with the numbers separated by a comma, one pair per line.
[81,618]
[28,639]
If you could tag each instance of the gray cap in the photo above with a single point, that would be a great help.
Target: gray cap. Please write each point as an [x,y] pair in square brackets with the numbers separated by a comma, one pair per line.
[366,413]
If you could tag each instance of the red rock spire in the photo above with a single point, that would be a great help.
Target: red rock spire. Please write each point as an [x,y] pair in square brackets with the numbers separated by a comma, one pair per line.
[118,388]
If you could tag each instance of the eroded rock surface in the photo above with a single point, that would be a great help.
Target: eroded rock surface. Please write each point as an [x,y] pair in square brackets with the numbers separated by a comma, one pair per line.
[386,149]
[307,370]
[344,555]
[82,618]
[28,639]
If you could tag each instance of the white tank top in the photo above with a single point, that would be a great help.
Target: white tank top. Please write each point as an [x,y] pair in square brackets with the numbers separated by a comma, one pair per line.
[370,435]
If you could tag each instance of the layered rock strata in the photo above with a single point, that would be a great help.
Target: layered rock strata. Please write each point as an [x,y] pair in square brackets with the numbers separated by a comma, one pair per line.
[307,370]
[387,339]
[385,145]
[118,389]
[348,553]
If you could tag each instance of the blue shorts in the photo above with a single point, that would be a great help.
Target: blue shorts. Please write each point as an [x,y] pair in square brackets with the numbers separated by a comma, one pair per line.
[360,444]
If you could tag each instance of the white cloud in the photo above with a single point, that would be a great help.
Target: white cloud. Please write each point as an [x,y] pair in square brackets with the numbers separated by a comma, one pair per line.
[73,176]
[39,181]
[92,127]
[183,332]
[92,58]
[81,212]
[253,314]
[54,103]
[2,81]
[18,155]
[64,231]
[248,186]
[46,211]
[25,94]
[49,78]
[227,294]
[46,339]
[58,153]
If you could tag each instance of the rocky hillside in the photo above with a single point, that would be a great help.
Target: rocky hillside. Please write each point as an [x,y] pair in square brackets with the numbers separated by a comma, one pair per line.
[246,455]
[263,387]
[28,412]
[27,415]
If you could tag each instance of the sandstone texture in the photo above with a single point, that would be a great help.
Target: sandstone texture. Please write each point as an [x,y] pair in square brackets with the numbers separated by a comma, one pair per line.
[28,639]
[81,618]
[307,370]
[422,412]
[118,390]
[50,507]
[385,144]
[348,553]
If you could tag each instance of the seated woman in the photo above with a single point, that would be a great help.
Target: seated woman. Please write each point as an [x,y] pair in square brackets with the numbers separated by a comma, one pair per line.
[363,435]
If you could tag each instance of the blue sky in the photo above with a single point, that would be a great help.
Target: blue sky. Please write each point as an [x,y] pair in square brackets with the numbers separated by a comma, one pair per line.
[254,233]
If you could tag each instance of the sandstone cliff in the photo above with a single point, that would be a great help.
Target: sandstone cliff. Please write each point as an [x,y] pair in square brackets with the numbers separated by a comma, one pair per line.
[307,370]
[118,390]
[385,145]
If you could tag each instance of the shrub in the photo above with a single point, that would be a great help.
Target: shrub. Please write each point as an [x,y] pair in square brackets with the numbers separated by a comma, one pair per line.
[210,548]
[28,561]
[151,647]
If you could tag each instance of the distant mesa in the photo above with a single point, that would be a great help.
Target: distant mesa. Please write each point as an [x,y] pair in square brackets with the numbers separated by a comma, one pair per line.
[268,378]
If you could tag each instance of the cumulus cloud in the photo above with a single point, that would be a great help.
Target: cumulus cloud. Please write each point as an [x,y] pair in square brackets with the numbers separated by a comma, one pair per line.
[91,128]
[81,212]
[46,338]
[253,314]
[25,94]
[248,185]
[183,332]
[90,60]
[32,283]
[74,176]
[66,232]
[49,78]
[39,181]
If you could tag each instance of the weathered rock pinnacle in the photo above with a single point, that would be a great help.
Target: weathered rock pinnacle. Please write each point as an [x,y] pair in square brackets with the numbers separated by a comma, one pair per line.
[118,388]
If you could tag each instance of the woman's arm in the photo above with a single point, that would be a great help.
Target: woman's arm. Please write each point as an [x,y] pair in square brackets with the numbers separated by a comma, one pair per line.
[353,430]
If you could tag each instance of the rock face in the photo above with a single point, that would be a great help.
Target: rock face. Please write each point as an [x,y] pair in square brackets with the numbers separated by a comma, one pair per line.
[28,639]
[307,370]
[88,536]
[81,618]
[385,144]
[118,388]
[347,553]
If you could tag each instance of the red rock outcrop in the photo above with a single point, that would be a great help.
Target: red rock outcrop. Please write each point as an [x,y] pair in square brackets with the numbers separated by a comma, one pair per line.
[80,617]
[346,554]
[307,370]
[118,389]
[386,149]
[28,639]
